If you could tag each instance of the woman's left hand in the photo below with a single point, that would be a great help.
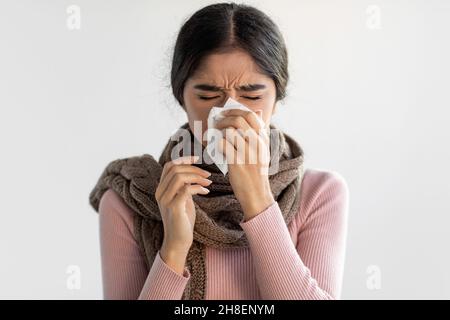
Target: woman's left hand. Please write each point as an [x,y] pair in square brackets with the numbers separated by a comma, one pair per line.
[246,147]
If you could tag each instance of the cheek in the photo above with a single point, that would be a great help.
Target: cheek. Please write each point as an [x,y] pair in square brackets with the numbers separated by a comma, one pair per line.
[192,109]
[196,108]
[266,106]
[196,111]
[267,113]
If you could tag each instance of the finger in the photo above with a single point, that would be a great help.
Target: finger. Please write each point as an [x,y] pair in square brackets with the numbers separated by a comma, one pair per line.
[228,150]
[250,136]
[178,181]
[238,142]
[181,160]
[179,201]
[265,135]
[188,190]
[239,150]
[168,166]
[264,131]
[259,115]
[237,122]
[249,116]
[177,169]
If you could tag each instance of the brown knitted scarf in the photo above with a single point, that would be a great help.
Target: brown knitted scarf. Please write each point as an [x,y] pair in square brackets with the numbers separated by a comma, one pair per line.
[218,213]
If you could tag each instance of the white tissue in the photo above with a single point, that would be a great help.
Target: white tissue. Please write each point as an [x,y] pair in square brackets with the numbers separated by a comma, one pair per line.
[212,147]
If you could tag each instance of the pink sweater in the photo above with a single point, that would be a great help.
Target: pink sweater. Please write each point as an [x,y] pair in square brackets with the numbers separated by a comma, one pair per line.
[304,260]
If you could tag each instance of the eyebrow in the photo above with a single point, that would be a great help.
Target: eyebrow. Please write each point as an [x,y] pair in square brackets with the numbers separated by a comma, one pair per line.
[247,87]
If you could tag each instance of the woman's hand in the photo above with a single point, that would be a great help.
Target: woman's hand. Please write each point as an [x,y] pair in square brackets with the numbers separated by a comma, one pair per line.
[246,148]
[179,181]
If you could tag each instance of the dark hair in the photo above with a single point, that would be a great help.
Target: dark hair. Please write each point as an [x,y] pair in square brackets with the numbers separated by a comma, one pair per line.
[224,26]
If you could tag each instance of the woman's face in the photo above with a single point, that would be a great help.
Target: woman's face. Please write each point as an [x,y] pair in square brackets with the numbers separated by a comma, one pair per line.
[228,75]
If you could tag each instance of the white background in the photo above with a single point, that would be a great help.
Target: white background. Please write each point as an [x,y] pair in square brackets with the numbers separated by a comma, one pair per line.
[370,101]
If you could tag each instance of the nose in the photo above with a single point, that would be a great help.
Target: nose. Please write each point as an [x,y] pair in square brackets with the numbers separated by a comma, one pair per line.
[227,94]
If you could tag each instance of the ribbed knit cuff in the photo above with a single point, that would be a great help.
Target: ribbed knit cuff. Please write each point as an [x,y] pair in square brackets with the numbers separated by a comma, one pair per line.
[267,229]
[163,283]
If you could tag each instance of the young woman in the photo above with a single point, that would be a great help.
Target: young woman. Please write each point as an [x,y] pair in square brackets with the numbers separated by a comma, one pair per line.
[179,229]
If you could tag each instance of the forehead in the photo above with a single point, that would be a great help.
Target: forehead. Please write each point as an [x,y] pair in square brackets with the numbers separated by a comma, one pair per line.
[230,67]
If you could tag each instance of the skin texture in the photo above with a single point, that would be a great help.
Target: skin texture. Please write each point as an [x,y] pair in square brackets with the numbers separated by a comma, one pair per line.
[228,71]
[220,76]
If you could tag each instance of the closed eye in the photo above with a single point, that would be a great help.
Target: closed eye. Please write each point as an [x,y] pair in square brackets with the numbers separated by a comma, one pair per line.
[215,97]
[252,98]
[208,98]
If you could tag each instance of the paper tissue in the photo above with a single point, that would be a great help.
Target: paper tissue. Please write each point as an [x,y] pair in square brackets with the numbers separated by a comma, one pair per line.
[213,142]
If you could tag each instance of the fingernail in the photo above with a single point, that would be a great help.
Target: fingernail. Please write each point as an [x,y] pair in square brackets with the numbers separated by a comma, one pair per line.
[206,190]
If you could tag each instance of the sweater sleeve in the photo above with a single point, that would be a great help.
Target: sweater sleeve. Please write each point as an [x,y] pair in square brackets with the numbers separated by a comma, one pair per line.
[312,268]
[124,272]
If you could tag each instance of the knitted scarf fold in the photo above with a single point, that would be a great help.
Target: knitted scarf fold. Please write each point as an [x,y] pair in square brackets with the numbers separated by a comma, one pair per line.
[218,213]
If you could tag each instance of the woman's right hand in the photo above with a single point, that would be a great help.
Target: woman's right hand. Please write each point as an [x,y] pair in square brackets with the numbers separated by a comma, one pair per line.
[179,181]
